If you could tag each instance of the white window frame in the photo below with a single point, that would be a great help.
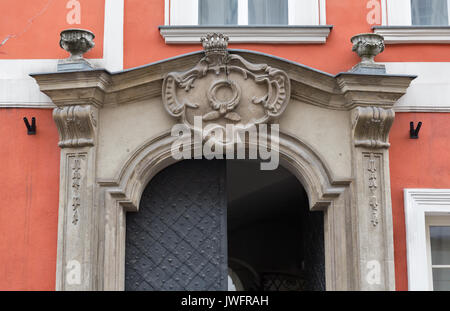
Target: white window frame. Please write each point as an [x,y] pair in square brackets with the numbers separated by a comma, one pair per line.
[397,25]
[421,206]
[307,24]
[431,221]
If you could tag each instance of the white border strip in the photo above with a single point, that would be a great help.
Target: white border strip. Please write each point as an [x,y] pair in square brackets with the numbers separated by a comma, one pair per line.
[113,35]
[429,92]
[323,12]
[418,204]
[421,109]
[166,12]
[384,20]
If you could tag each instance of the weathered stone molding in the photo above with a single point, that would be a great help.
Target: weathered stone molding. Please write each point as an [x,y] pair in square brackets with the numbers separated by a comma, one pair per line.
[312,170]
[371,126]
[344,91]
[77,125]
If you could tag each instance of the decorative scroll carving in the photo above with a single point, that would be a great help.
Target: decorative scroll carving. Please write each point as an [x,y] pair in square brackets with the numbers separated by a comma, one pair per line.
[213,88]
[76,125]
[372,182]
[371,126]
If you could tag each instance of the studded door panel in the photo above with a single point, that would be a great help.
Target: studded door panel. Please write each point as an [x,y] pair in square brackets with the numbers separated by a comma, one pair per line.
[177,240]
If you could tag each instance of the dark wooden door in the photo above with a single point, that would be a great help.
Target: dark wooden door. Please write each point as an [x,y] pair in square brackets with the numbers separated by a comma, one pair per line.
[178,240]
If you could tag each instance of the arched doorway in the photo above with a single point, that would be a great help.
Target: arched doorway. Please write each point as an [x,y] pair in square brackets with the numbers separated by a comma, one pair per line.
[204,222]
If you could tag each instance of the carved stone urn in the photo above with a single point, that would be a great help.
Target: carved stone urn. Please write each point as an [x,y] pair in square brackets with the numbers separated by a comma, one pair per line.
[77,42]
[367,46]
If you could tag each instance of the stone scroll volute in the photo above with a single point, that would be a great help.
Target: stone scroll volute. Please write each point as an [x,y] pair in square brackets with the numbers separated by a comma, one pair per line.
[371,126]
[77,125]
[224,88]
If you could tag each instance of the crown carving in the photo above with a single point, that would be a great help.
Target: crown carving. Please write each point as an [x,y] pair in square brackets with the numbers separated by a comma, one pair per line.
[215,43]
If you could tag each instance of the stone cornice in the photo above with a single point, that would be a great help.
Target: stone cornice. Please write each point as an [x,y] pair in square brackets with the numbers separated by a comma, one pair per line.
[75,88]
[341,92]
[413,34]
[381,90]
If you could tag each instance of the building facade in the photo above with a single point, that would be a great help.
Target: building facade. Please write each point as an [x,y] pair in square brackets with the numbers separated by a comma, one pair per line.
[93,196]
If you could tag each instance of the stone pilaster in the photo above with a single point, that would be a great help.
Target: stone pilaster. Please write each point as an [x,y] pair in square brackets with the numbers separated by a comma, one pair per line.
[372,217]
[77,246]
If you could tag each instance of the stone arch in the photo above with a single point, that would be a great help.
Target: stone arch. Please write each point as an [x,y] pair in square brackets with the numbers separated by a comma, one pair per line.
[155,155]
[296,156]
[123,194]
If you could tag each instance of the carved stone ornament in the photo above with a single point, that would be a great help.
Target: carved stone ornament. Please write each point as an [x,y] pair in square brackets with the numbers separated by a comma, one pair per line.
[371,126]
[224,88]
[372,181]
[76,125]
[367,46]
[76,184]
[77,42]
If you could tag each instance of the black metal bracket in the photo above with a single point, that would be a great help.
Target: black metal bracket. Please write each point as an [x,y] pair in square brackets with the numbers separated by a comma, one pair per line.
[31,128]
[414,133]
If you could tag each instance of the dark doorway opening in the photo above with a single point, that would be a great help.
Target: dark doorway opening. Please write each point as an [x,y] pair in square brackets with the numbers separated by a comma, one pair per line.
[274,241]
[202,223]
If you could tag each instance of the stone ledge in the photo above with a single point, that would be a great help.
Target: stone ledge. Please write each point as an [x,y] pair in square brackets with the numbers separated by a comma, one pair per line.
[413,34]
[248,34]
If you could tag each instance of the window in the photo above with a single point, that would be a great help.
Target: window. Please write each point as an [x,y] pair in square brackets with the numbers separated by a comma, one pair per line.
[414,21]
[438,245]
[427,219]
[429,12]
[415,12]
[259,21]
[268,12]
[213,12]
[257,12]
[245,12]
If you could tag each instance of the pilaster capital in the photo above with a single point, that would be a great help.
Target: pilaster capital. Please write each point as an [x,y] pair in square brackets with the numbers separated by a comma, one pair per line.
[77,125]
[371,126]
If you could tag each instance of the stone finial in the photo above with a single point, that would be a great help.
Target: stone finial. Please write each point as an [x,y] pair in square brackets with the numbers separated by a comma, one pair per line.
[215,43]
[367,46]
[77,42]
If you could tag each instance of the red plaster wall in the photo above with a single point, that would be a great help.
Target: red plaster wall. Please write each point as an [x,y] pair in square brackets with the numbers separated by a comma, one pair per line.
[416,163]
[35,26]
[29,191]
